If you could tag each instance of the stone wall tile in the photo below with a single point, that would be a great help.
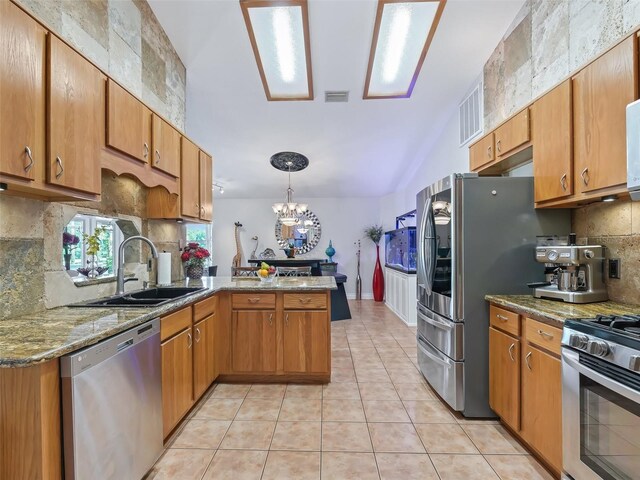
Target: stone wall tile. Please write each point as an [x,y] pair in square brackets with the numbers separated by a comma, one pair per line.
[152,100]
[22,281]
[635,218]
[154,75]
[630,15]
[517,89]
[494,94]
[73,33]
[20,217]
[608,219]
[49,12]
[92,16]
[54,223]
[125,64]
[593,26]
[626,289]
[126,21]
[549,44]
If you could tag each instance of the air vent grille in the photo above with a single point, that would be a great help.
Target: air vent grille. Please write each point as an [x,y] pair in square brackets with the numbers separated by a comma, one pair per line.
[471,113]
[336,96]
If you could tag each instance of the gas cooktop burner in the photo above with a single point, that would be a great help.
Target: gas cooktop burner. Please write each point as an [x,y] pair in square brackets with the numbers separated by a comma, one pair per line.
[626,324]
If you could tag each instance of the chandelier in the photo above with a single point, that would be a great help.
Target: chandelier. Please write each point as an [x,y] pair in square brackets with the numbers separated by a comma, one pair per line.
[290,213]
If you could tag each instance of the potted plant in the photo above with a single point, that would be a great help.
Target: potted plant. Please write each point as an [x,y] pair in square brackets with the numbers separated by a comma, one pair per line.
[93,247]
[69,243]
[374,233]
[193,258]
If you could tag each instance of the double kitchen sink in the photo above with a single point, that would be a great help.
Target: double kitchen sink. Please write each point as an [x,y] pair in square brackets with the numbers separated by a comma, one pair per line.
[151,297]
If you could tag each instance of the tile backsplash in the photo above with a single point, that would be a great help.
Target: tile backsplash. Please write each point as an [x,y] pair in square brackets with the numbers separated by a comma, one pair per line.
[615,225]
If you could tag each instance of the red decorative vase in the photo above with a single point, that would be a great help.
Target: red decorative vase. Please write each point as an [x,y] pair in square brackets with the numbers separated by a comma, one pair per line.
[378,278]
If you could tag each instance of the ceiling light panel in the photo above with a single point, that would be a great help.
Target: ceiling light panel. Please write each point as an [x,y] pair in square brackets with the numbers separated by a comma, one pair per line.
[279,34]
[401,38]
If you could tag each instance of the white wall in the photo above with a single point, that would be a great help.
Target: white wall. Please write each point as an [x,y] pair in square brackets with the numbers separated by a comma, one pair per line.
[343,221]
[444,157]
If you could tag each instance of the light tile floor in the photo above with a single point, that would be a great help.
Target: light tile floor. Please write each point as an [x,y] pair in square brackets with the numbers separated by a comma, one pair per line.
[377,419]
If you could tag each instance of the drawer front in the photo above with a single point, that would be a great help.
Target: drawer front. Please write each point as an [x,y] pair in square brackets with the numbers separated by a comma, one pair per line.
[504,320]
[174,323]
[205,308]
[513,133]
[253,300]
[305,301]
[543,335]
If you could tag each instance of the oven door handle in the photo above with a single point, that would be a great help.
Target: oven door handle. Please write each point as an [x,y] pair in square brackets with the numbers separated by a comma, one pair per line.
[570,359]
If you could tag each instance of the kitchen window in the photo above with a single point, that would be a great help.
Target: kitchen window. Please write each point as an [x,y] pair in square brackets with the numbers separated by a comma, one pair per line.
[200,233]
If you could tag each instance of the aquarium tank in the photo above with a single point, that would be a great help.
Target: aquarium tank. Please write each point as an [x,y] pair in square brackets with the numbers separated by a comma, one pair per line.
[400,249]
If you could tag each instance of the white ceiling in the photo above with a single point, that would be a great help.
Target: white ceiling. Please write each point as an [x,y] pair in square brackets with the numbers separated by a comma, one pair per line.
[361,148]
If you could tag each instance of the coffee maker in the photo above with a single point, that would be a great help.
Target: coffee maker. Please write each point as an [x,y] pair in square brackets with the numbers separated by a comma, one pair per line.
[579,273]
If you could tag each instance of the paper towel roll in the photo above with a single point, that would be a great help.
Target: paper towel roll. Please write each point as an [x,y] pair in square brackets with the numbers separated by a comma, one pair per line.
[164,268]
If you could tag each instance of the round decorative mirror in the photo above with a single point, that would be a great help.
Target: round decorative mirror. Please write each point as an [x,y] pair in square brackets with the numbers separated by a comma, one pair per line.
[305,235]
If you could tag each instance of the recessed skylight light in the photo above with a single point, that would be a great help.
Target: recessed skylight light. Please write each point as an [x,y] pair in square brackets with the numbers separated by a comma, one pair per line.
[279,34]
[401,37]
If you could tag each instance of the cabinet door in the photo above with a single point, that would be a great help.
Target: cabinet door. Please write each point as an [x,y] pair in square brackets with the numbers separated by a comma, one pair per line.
[206,187]
[601,92]
[76,119]
[22,97]
[542,404]
[306,335]
[127,125]
[253,341]
[482,152]
[177,379]
[513,133]
[166,147]
[190,180]
[504,377]
[201,358]
[553,144]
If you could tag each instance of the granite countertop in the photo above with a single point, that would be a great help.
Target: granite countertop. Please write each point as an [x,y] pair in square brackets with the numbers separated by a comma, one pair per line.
[556,312]
[38,337]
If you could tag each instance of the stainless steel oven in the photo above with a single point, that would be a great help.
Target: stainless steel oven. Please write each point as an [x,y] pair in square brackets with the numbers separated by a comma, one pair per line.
[600,406]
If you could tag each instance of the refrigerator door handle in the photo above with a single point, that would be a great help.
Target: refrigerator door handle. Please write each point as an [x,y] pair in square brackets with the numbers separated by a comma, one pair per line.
[434,247]
[422,264]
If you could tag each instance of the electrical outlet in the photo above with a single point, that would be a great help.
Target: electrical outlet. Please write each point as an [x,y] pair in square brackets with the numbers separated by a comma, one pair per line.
[614,268]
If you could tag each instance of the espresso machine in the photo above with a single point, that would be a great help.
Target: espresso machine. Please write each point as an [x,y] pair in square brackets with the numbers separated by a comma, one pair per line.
[578,273]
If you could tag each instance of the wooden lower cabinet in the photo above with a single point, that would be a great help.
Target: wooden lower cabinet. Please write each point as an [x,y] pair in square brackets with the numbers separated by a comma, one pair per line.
[253,341]
[202,359]
[525,384]
[305,340]
[504,374]
[542,404]
[177,379]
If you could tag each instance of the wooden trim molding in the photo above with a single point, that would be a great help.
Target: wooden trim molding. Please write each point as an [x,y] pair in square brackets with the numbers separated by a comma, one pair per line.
[423,55]
[245,5]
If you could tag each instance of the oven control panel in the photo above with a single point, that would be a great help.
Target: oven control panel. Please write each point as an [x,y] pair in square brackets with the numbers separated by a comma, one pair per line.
[613,352]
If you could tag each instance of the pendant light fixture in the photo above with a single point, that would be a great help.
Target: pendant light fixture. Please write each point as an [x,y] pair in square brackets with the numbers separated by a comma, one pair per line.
[291,213]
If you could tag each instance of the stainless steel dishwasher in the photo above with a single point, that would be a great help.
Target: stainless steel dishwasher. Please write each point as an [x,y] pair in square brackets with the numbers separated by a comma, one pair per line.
[112,406]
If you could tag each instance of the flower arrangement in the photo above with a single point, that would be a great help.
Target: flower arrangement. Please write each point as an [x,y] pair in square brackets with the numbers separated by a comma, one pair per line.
[69,242]
[193,258]
[374,233]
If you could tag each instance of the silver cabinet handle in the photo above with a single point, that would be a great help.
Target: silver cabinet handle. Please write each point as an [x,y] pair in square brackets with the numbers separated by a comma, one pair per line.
[271,319]
[502,317]
[499,146]
[253,299]
[585,175]
[526,360]
[27,150]
[286,319]
[145,147]
[197,334]
[157,157]
[513,345]
[544,334]
[563,182]
[59,163]
[202,211]
[190,338]
[489,152]
[304,300]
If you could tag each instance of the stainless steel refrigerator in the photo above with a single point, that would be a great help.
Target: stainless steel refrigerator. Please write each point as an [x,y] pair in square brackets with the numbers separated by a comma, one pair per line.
[476,236]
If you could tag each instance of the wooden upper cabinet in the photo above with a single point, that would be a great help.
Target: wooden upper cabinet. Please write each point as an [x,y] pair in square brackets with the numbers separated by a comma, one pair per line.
[504,377]
[542,404]
[553,146]
[482,152]
[190,180]
[166,147]
[206,187]
[22,94]
[601,92]
[513,133]
[128,123]
[306,336]
[76,119]
[253,341]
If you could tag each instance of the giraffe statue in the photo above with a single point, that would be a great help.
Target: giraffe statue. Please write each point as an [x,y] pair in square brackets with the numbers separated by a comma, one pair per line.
[237,258]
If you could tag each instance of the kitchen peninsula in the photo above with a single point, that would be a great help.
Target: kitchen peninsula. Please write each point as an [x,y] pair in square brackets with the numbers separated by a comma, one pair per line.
[231,330]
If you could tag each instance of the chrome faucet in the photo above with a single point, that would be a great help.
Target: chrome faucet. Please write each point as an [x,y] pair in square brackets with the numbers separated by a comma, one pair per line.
[121,281]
